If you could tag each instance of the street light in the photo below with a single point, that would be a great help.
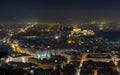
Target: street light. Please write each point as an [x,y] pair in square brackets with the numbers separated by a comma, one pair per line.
[56,37]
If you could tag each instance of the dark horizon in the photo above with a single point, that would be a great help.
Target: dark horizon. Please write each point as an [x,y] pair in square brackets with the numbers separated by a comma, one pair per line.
[59,10]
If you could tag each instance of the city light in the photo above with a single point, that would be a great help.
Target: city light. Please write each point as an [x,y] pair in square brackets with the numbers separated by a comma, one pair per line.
[52,37]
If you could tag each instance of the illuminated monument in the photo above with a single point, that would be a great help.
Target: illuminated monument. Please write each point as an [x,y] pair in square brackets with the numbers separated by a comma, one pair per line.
[77,34]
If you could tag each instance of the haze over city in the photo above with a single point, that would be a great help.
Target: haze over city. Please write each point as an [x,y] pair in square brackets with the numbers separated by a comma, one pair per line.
[59,9]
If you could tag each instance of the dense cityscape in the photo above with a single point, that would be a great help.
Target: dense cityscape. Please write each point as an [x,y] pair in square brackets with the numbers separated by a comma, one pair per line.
[59,37]
[36,48]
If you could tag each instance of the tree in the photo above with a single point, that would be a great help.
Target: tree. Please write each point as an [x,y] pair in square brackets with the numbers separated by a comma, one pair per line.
[3,54]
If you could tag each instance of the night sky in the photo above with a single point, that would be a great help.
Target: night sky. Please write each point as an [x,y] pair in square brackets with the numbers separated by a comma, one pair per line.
[59,9]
